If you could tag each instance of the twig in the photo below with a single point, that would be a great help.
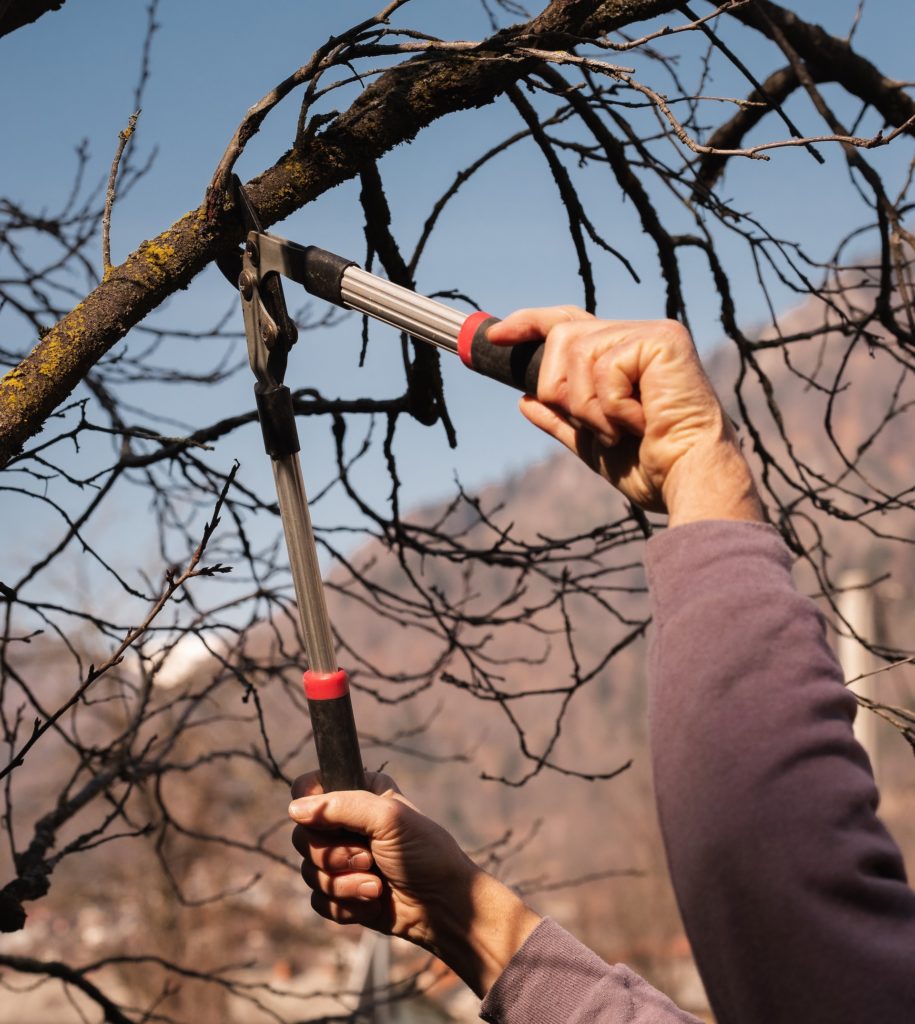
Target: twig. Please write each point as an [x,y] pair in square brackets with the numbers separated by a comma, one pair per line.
[880,671]
[123,139]
[323,57]
[173,584]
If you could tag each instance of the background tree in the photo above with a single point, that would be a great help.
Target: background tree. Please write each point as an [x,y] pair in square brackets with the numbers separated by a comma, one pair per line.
[145,702]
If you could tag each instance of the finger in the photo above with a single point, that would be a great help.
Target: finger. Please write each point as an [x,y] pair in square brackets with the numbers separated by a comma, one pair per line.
[326,851]
[307,784]
[583,443]
[585,407]
[364,913]
[615,374]
[533,324]
[378,782]
[550,422]
[356,885]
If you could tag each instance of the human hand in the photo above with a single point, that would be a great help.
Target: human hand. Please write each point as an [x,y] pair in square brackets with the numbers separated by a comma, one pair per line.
[632,400]
[423,887]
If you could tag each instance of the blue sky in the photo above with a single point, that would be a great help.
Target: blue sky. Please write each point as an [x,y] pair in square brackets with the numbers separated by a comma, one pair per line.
[504,243]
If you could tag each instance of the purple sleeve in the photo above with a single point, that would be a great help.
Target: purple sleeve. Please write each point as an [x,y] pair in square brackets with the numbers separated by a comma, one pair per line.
[554,979]
[793,894]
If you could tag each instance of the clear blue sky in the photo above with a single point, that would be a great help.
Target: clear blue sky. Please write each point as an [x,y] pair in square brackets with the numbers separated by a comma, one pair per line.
[71,76]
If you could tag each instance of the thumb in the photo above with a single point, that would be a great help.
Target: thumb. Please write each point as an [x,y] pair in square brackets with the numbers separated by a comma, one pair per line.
[354,810]
[532,324]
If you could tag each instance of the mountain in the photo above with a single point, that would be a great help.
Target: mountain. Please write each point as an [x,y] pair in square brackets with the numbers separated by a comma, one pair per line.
[469,634]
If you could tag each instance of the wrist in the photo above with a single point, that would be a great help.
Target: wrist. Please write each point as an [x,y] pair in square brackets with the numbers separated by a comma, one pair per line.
[711,481]
[477,934]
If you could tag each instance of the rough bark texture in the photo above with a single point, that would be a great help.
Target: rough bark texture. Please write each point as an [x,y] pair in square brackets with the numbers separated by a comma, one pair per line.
[390,111]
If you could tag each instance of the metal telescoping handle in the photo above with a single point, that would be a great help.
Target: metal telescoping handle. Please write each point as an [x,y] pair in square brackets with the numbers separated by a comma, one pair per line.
[326,686]
[342,282]
[270,333]
[515,365]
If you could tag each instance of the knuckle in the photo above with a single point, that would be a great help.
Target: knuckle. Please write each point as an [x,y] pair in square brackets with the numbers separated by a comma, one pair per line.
[563,332]
[675,333]
[308,874]
[576,312]
[322,906]
[300,840]
[391,814]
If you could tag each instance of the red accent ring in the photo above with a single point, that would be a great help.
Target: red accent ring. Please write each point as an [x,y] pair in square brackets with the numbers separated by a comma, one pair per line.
[466,335]
[325,685]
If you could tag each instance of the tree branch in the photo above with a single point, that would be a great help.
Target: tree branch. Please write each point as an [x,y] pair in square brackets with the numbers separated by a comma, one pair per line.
[830,59]
[14,15]
[392,110]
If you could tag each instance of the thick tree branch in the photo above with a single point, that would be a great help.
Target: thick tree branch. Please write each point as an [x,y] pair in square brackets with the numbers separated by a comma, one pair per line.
[830,59]
[391,111]
[16,13]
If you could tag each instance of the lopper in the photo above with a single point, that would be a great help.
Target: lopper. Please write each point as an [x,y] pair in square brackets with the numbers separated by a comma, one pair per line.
[270,334]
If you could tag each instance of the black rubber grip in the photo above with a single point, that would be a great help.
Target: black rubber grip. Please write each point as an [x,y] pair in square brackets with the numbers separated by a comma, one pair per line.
[339,758]
[321,272]
[277,419]
[515,365]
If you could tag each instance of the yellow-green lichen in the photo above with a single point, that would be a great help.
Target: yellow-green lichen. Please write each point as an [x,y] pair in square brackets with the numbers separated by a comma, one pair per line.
[56,346]
[13,380]
[158,255]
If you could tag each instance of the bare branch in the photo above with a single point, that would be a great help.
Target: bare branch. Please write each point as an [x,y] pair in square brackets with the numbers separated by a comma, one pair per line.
[123,138]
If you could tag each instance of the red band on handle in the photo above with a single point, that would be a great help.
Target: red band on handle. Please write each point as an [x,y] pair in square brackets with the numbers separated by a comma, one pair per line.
[325,685]
[466,334]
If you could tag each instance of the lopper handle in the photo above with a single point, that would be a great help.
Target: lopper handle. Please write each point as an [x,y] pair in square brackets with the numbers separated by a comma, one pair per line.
[334,728]
[518,366]
[345,284]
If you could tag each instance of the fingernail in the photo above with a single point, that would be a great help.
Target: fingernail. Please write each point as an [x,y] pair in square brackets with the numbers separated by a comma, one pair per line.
[368,890]
[360,861]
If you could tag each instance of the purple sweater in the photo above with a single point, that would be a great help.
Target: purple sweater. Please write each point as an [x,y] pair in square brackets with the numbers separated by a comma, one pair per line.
[793,895]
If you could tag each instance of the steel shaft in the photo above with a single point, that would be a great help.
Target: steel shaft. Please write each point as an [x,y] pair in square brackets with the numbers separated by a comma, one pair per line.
[303,564]
[423,318]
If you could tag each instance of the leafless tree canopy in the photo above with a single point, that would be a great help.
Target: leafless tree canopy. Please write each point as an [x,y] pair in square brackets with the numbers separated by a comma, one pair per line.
[116,765]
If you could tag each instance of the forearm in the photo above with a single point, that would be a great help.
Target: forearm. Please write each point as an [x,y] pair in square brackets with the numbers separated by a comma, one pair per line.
[793,895]
[477,928]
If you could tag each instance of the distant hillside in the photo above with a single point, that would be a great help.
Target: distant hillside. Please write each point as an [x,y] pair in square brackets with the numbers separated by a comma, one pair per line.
[465,653]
